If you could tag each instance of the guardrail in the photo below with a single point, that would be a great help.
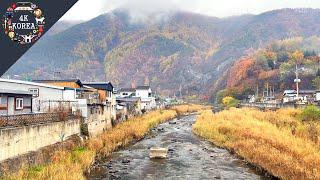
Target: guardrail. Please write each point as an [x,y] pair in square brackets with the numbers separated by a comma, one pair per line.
[28,119]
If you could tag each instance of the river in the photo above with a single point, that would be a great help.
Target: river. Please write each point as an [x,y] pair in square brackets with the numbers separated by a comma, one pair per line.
[189,157]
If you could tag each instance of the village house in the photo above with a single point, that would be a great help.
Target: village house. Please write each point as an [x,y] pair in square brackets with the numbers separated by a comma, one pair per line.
[128,106]
[95,101]
[14,102]
[305,96]
[317,96]
[106,92]
[148,101]
[126,92]
[45,97]
[289,96]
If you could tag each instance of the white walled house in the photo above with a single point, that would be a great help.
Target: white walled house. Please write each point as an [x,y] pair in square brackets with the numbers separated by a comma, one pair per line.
[317,96]
[14,102]
[148,102]
[44,97]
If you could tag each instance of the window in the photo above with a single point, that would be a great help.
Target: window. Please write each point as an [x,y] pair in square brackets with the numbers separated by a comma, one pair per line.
[19,103]
[35,92]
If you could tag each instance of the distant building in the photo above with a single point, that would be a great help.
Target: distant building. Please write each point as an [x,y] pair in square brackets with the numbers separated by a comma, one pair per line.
[106,92]
[305,96]
[251,99]
[126,92]
[317,96]
[148,101]
[14,102]
[289,96]
[127,107]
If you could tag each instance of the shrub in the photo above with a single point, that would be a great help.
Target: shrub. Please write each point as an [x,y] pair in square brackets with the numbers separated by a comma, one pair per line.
[229,102]
[310,113]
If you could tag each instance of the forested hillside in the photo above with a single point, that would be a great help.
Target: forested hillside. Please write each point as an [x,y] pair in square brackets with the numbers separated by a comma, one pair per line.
[185,51]
[275,66]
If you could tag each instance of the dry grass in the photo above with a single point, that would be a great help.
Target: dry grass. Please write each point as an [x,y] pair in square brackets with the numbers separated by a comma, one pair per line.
[126,132]
[188,108]
[66,165]
[277,141]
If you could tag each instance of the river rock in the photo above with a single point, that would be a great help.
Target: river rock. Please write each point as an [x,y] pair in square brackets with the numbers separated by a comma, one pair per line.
[125,161]
[113,171]
[158,153]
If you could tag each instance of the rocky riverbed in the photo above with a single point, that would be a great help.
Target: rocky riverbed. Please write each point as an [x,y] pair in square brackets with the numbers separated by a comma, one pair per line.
[189,157]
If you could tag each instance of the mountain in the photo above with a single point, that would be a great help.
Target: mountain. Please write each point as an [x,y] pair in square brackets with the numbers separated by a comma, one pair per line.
[62,26]
[183,52]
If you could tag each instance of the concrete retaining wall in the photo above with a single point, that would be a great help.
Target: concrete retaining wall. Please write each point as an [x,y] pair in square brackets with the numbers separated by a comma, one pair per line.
[17,141]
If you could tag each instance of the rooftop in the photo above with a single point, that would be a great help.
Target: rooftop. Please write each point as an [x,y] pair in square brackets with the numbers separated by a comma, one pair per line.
[8,91]
[143,87]
[30,83]
[60,80]
[100,85]
[127,90]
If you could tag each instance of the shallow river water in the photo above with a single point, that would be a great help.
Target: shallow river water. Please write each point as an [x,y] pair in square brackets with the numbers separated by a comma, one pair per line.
[189,157]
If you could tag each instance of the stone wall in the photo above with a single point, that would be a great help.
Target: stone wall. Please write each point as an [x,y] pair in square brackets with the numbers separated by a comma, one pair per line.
[16,141]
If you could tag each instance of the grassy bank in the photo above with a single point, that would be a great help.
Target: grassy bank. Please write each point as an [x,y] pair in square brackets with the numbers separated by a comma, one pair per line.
[279,142]
[71,164]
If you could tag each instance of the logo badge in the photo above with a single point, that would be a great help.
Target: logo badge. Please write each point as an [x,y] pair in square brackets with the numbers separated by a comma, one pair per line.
[23,22]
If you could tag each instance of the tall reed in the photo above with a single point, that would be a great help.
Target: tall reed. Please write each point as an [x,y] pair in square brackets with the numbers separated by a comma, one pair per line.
[276,141]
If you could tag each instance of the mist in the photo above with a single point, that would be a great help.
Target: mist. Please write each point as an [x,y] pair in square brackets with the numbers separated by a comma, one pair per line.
[147,10]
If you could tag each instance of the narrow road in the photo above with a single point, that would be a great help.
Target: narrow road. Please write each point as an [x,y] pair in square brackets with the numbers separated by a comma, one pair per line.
[189,157]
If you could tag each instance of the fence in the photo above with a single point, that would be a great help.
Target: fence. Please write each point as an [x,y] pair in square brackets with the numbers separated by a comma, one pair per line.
[272,105]
[27,119]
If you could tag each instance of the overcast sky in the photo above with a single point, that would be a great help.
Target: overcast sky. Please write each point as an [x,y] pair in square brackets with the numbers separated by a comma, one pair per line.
[88,9]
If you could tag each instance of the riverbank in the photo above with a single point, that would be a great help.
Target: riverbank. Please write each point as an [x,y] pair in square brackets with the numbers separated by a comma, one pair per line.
[72,164]
[185,152]
[279,142]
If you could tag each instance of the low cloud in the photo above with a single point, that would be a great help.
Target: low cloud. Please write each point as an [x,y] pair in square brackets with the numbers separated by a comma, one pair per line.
[148,10]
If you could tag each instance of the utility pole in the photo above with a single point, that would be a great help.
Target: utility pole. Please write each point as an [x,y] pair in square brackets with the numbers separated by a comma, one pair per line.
[180,91]
[297,80]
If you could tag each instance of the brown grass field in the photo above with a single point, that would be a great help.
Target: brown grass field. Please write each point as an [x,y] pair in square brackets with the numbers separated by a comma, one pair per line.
[69,165]
[279,141]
